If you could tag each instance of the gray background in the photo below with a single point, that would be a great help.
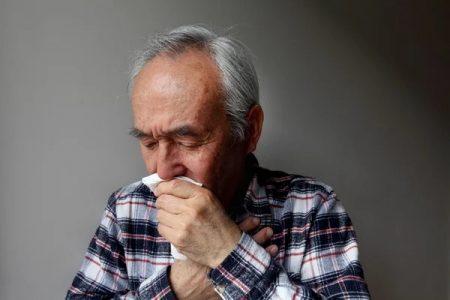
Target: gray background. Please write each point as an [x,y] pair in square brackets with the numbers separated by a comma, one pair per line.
[354,94]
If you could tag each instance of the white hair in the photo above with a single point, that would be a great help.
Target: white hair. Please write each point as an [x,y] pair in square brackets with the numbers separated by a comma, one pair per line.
[239,81]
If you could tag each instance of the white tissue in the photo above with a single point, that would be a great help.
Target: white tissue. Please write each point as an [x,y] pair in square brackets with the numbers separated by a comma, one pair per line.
[152,181]
[176,255]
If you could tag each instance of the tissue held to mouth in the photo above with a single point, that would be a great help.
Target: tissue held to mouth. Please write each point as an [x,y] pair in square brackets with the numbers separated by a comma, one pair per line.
[152,181]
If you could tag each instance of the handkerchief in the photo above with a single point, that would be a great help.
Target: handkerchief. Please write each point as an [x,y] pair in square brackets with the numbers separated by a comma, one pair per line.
[152,181]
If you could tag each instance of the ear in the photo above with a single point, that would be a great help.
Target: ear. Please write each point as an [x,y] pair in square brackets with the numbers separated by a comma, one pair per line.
[255,119]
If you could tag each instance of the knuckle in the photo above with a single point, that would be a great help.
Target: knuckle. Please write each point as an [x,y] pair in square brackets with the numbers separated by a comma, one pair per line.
[209,196]
[247,225]
[176,239]
[187,228]
[195,214]
[204,195]
[183,226]
[158,216]
[159,203]
[180,239]
[258,239]
[175,183]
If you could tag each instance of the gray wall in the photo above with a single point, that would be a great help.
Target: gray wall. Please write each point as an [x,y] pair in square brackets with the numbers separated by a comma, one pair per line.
[354,94]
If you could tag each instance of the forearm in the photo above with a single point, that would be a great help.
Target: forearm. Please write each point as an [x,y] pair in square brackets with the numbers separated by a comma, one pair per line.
[250,272]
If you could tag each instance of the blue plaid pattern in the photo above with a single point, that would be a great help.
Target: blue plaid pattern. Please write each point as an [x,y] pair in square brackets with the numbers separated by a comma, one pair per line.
[318,255]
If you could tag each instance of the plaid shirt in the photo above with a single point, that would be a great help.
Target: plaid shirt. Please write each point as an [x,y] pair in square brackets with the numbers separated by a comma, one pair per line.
[318,255]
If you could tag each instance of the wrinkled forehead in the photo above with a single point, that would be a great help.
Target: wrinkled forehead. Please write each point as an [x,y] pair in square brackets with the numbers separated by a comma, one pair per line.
[183,85]
[188,72]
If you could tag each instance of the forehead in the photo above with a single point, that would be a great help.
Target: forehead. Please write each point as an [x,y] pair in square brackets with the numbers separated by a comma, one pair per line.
[176,88]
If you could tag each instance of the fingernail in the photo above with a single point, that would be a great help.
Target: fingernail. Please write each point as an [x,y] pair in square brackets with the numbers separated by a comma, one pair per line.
[273,249]
[255,221]
[269,232]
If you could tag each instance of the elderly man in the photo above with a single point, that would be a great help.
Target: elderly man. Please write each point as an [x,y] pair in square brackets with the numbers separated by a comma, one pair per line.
[246,232]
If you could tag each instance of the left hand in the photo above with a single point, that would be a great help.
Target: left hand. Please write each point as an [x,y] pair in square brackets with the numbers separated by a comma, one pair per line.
[189,279]
[193,219]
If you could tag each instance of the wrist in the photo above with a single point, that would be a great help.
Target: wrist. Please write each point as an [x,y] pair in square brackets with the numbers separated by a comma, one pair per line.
[226,248]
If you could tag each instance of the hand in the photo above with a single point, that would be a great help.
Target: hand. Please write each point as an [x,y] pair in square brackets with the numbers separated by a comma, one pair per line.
[262,236]
[189,280]
[193,219]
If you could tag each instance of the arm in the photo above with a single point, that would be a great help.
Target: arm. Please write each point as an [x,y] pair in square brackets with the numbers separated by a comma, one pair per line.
[329,266]
[103,274]
[320,257]
[189,280]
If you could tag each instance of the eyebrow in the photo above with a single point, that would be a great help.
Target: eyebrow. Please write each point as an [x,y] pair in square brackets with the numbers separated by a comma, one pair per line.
[181,131]
[134,132]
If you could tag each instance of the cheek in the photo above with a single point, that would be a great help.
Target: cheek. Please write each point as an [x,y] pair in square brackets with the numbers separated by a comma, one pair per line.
[201,165]
[198,164]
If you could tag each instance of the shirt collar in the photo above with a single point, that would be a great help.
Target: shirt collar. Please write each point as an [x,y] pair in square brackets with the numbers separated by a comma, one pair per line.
[253,201]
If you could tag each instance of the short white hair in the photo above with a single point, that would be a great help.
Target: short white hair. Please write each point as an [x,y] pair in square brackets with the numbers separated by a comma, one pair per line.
[239,80]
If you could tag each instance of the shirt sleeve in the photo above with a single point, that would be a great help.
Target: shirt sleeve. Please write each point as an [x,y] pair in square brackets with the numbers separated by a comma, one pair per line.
[329,268]
[103,273]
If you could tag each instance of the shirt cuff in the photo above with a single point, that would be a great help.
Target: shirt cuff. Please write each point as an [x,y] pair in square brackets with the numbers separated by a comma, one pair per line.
[157,287]
[241,270]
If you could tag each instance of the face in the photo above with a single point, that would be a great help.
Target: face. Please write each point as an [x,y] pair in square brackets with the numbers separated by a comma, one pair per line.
[181,123]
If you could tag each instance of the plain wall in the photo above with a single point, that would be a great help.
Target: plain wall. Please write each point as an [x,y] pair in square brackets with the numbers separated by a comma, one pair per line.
[352,96]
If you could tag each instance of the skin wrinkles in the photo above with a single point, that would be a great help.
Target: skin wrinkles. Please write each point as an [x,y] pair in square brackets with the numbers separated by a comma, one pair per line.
[183,135]
[183,129]
[183,92]
[180,120]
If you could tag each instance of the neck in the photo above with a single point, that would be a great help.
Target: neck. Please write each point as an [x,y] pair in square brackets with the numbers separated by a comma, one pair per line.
[242,180]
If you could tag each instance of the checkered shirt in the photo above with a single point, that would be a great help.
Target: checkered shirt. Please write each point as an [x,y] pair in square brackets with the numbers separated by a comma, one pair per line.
[318,253]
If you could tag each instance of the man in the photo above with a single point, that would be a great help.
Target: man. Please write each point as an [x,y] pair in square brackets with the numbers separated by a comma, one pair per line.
[247,232]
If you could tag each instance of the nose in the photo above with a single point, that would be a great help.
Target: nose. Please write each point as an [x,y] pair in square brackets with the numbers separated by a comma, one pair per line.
[169,163]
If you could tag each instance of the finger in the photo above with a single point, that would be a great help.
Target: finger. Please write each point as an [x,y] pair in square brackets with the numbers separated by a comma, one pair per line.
[171,204]
[272,250]
[167,219]
[249,224]
[264,235]
[167,232]
[176,187]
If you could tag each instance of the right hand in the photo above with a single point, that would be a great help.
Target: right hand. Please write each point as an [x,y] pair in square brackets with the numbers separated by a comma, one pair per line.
[189,279]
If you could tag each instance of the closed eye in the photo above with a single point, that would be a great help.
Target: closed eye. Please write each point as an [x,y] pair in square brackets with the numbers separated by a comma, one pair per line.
[189,145]
[150,145]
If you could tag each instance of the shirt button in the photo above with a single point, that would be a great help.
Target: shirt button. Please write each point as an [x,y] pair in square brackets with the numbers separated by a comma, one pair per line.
[220,288]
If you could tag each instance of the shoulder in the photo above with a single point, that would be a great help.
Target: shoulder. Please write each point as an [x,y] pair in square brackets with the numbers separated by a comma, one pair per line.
[293,192]
[134,190]
[284,183]
[132,193]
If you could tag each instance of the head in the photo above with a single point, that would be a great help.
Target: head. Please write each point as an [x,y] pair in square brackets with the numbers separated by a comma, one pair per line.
[195,105]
